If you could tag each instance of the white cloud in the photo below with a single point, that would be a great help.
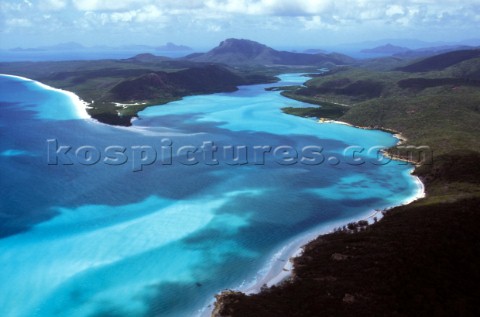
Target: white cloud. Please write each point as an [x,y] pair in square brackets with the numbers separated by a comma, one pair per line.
[127,16]
[149,14]
[271,7]
[214,28]
[13,6]
[236,17]
[313,23]
[18,23]
[107,5]
[394,10]
[53,5]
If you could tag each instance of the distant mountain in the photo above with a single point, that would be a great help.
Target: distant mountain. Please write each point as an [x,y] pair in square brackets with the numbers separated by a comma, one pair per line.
[21,49]
[73,46]
[171,47]
[68,46]
[314,51]
[442,61]
[386,49]
[246,52]
[470,42]
[410,43]
[430,51]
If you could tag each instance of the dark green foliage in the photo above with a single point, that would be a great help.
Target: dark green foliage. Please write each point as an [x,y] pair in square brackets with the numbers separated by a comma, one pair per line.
[113,119]
[457,166]
[197,80]
[208,79]
[423,83]
[362,88]
[335,84]
[440,110]
[415,262]
[80,77]
[326,110]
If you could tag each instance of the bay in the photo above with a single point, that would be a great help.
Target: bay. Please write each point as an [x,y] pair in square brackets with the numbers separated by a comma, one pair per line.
[104,239]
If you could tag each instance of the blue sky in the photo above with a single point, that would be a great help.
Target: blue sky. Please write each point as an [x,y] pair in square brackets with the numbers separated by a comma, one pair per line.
[202,24]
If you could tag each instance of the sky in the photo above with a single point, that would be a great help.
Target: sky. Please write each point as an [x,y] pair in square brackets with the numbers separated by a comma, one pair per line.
[203,24]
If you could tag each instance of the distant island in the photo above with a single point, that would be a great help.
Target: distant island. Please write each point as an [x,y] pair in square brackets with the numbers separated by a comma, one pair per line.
[386,49]
[171,47]
[73,46]
[68,46]
[314,51]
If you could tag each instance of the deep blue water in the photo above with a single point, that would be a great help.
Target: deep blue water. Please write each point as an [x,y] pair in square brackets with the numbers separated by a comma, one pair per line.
[103,239]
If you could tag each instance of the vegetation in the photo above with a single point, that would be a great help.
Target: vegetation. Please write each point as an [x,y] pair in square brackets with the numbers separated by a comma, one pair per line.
[441,61]
[421,259]
[143,80]
[327,109]
[137,83]
[440,109]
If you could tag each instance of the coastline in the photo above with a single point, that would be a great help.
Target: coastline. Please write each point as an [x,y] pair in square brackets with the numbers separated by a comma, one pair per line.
[401,140]
[280,266]
[294,248]
[277,273]
[80,105]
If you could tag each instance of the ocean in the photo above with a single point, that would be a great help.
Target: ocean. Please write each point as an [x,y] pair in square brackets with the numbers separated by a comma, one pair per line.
[196,197]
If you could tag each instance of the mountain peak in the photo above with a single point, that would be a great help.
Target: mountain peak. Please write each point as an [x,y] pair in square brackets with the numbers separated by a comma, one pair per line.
[246,47]
[246,52]
[234,41]
[386,49]
[173,47]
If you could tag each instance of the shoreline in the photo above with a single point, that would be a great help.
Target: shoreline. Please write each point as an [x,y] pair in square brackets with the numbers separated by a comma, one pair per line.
[279,267]
[401,140]
[294,248]
[276,273]
[80,105]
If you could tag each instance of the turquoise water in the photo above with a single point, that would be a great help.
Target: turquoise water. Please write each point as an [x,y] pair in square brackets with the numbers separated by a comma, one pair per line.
[102,240]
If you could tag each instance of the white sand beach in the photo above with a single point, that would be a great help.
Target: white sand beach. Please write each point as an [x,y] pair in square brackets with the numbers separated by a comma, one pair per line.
[80,105]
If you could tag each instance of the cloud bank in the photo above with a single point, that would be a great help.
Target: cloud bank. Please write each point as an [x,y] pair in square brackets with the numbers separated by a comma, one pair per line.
[236,16]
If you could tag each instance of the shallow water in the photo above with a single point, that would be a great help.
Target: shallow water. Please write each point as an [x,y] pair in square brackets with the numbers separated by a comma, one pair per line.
[104,240]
